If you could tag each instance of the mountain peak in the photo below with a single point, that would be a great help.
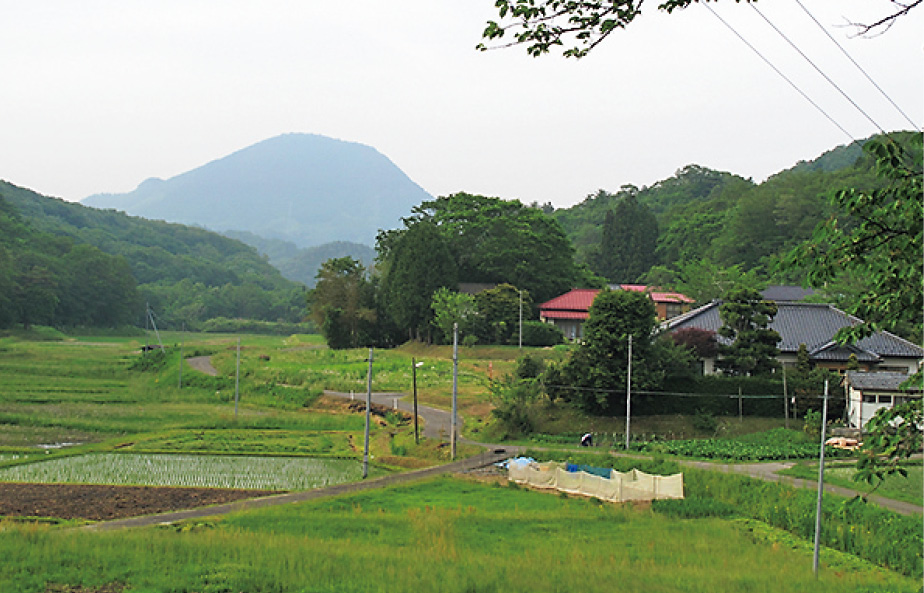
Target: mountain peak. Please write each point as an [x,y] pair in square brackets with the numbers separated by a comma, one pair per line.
[304,188]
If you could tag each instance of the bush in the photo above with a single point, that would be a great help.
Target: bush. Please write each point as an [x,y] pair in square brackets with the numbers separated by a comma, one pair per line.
[540,335]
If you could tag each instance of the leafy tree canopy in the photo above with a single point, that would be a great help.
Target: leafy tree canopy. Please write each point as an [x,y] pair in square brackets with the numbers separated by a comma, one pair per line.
[746,318]
[496,241]
[342,304]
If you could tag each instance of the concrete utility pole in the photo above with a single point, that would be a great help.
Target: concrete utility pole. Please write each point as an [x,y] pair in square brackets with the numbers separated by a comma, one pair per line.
[455,389]
[414,365]
[629,393]
[821,483]
[237,377]
[521,320]
[368,410]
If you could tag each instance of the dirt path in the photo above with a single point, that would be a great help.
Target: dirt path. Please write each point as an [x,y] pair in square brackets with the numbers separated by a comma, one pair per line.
[203,364]
[484,459]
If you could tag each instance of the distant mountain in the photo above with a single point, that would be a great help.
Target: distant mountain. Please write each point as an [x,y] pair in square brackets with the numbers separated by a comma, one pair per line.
[188,275]
[302,264]
[302,188]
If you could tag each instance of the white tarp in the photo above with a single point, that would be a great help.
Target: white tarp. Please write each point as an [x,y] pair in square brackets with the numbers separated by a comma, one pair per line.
[620,487]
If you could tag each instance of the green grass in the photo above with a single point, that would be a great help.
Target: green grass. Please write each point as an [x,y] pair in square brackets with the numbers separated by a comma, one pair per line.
[199,471]
[907,489]
[445,535]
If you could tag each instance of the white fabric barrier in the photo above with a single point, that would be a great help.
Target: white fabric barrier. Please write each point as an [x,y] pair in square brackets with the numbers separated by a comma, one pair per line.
[620,487]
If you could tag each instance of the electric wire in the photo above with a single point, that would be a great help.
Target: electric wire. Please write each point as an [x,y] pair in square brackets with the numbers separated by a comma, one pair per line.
[779,72]
[817,69]
[860,68]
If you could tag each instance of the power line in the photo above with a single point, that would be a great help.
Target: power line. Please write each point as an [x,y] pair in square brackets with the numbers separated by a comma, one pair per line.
[779,72]
[860,68]
[815,66]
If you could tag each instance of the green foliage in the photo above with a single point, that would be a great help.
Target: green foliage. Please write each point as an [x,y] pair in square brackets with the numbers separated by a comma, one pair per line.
[880,536]
[812,423]
[76,266]
[627,245]
[342,304]
[451,308]
[417,264]
[876,234]
[497,241]
[893,436]
[499,309]
[513,399]
[774,445]
[597,370]
[539,334]
[746,317]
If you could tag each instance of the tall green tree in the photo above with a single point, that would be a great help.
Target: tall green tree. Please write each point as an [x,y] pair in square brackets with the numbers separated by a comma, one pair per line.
[418,263]
[746,318]
[342,304]
[497,241]
[598,368]
[628,242]
[450,308]
[499,308]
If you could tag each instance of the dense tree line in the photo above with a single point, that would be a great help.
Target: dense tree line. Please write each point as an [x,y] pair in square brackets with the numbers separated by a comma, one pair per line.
[52,280]
[515,251]
[69,265]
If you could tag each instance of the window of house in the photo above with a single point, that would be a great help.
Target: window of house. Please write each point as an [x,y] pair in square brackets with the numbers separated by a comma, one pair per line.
[869,399]
[885,399]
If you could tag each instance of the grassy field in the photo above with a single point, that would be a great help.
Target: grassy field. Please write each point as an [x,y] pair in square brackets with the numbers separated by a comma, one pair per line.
[907,489]
[443,535]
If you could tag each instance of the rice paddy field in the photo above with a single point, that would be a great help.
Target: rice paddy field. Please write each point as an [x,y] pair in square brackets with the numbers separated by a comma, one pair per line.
[189,471]
[96,411]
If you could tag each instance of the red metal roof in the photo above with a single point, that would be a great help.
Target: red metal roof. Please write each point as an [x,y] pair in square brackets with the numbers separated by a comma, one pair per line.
[580,315]
[579,299]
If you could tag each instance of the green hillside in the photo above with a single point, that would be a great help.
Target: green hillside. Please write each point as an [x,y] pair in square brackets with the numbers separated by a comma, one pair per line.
[54,249]
[716,217]
[301,264]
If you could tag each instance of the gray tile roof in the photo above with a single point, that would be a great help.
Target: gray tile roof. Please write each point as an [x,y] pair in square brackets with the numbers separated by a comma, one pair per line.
[786,293]
[877,381]
[813,325]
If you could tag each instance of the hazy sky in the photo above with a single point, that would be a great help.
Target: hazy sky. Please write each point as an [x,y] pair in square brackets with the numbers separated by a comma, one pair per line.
[96,96]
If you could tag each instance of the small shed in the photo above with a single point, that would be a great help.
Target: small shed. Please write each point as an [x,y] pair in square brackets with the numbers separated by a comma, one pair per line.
[869,392]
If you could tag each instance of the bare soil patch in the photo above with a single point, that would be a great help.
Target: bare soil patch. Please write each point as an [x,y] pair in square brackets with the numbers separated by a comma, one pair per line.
[102,503]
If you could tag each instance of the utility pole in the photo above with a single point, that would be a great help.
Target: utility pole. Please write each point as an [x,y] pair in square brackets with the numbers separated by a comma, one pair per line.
[414,365]
[179,384]
[629,393]
[785,400]
[521,320]
[237,377]
[821,483]
[368,409]
[455,389]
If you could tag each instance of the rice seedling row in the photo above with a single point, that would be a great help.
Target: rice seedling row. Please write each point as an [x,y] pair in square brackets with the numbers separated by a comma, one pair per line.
[200,471]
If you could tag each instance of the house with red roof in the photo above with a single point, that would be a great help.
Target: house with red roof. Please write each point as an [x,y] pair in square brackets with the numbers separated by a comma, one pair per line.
[569,311]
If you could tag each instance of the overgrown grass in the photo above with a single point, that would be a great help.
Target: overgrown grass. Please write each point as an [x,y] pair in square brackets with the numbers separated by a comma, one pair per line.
[444,535]
[880,536]
[907,489]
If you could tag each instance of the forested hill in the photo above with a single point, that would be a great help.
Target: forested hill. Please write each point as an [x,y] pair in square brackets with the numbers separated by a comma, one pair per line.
[701,216]
[84,266]
[302,188]
[301,264]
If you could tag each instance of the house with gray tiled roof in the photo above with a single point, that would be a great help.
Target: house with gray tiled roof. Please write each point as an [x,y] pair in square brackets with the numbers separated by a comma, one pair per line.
[867,393]
[815,325]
